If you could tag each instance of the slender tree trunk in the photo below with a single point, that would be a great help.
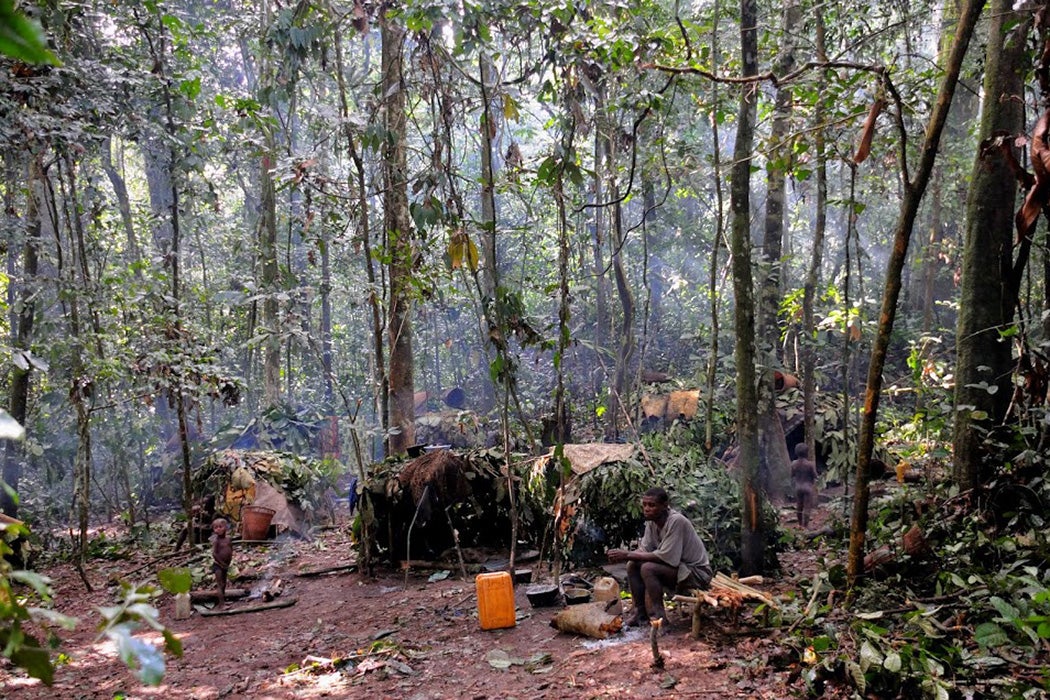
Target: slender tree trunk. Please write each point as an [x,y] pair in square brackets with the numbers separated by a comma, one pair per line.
[753,529]
[269,279]
[596,371]
[399,242]
[985,305]
[932,257]
[713,287]
[380,388]
[913,192]
[820,220]
[18,401]
[772,447]
[489,126]
[267,229]
[120,191]
[625,349]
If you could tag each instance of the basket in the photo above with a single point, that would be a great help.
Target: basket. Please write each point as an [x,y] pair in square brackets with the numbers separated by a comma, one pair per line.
[255,522]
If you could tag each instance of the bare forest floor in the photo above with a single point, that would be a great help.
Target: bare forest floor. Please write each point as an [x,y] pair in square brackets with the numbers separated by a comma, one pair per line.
[416,641]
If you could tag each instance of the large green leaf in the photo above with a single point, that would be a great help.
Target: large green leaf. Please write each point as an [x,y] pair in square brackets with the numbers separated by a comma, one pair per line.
[29,655]
[21,37]
[989,634]
[176,579]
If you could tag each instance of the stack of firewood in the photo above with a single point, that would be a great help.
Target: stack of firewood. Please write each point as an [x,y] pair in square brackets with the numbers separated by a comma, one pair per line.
[725,592]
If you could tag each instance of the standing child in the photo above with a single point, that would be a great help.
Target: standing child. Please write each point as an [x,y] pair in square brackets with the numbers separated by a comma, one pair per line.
[221,556]
[804,477]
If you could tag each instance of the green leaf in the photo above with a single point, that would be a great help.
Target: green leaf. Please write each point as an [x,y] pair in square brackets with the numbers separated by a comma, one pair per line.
[1007,611]
[172,643]
[821,643]
[138,654]
[176,579]
[10,429]
[54,617]
[857,675]
[892,662]
[23,38]
[869,656]
[32,657]
[989,634]
[39,583]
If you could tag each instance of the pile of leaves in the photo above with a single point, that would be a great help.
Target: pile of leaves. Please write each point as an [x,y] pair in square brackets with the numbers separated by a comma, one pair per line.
[470,486]
[971,614]
[304,481]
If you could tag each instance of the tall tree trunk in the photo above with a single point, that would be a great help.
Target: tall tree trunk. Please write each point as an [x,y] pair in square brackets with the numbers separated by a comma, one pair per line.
[913,192]
[713,287]
[267,225]
[71,272]
[120,191]
[22,328]
[753,528]
[985,306]
[172,259]
[269,277]
[399,242]
[932,257]
[489,126]
[489,278]
[625,346]
[820,221]
[772,447]
[596,371]
[380,388]
[937,261]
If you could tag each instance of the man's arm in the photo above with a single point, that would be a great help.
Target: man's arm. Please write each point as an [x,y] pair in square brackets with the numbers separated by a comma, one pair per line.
[642,554]
[621,555]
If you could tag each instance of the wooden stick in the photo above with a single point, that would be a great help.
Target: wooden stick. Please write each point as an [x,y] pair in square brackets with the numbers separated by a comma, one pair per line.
[163,557]
[286,603]
[437,565]
[654,633]
[455,539]
[408,535]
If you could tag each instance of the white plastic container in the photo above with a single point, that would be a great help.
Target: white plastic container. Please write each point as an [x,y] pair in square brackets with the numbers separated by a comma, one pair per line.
[607,589]
[183,609]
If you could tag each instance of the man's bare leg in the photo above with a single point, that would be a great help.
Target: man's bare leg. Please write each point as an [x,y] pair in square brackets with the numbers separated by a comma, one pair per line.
[655,577]
[638,615]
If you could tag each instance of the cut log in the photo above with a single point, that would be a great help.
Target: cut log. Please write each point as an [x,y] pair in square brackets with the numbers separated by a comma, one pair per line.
[212,595]
[286,603]
[589,619]
[348,568]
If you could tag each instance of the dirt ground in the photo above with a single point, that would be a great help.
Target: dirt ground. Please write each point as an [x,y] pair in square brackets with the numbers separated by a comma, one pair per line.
[415,641]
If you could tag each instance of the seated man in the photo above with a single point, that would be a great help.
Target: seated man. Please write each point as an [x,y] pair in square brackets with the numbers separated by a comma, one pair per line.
[671,555]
